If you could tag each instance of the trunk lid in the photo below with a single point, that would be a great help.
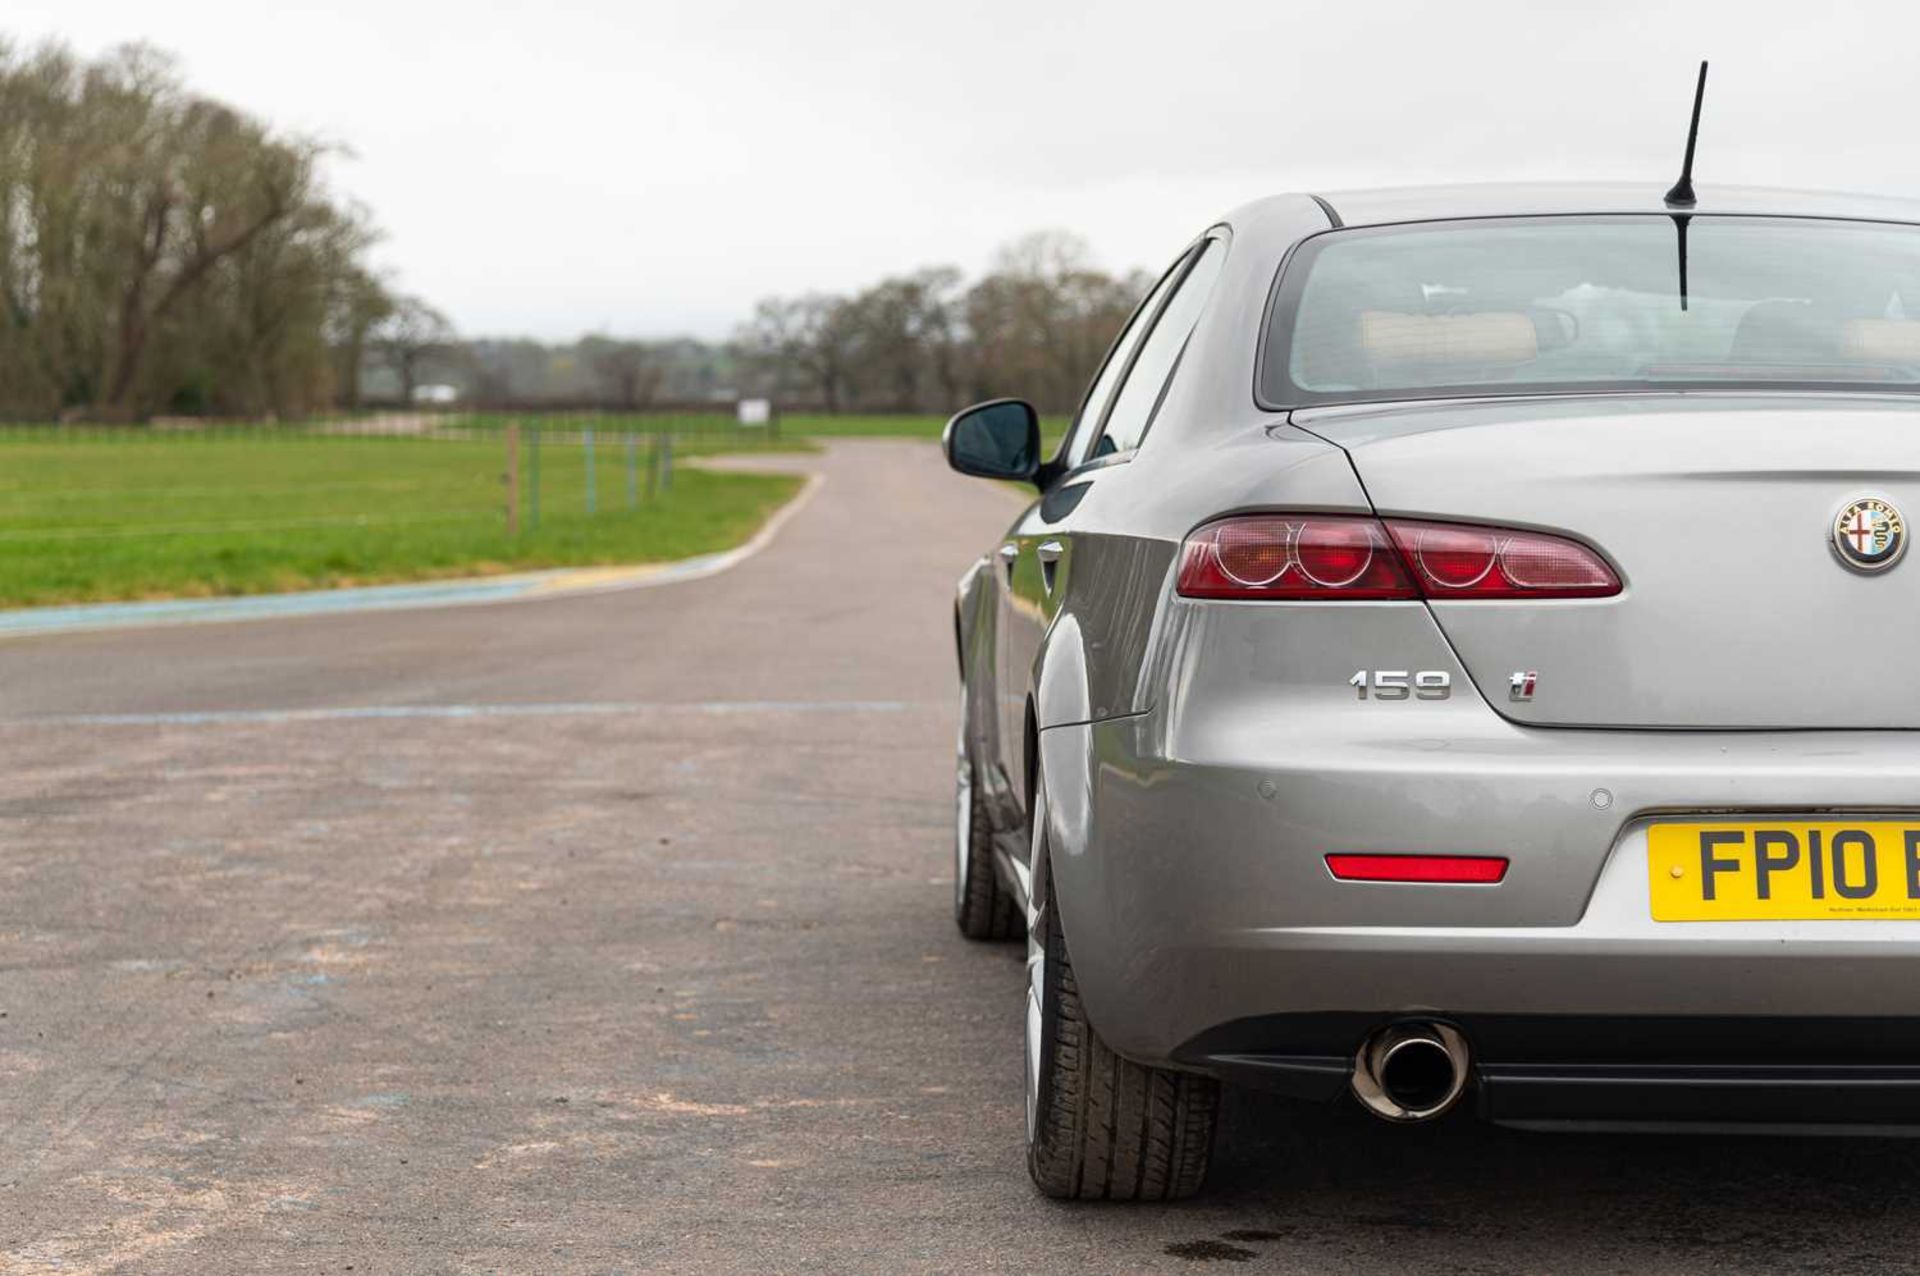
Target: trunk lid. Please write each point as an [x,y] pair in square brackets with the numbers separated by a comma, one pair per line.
[1718,512]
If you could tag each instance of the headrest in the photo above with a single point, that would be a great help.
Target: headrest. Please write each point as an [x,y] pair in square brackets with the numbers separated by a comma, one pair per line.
[1473,340]
[1881,340]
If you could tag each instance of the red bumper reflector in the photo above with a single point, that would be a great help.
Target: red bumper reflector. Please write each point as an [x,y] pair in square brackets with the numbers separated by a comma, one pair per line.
[1418,868]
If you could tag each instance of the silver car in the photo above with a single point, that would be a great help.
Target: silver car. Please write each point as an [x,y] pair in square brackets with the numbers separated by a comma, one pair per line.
[1458,659]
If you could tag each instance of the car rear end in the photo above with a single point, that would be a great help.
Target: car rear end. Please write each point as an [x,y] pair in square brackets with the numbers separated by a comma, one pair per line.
[1573,771]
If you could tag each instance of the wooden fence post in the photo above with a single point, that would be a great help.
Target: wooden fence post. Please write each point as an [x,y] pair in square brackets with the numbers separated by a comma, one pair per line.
[512,478]
[593,490]
[533,475]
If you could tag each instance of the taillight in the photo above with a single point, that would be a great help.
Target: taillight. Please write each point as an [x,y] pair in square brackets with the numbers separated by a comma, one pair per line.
[1451,561]
[1484,870]
[1276,556]
[1341,557]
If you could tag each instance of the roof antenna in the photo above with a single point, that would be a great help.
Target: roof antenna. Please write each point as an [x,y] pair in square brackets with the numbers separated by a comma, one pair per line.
[1681,196]
[1680,221]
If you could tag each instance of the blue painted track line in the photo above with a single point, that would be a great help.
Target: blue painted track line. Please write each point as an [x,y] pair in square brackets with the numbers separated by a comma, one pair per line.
[39,620]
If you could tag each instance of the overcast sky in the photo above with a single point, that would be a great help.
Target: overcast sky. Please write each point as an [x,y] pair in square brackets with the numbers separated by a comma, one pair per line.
[650,168]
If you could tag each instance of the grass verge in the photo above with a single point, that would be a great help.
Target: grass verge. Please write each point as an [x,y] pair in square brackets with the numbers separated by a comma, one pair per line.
[195,516]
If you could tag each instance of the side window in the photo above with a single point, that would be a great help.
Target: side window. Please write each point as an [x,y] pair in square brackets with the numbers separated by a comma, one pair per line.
[1140,395]
[1080,436]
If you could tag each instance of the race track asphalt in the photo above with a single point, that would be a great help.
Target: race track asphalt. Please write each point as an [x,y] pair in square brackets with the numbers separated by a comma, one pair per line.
[611,934]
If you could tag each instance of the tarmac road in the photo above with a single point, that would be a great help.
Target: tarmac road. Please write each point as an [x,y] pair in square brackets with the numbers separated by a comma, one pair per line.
[611,934]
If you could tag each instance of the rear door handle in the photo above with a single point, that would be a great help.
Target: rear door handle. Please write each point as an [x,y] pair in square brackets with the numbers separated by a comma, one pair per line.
[1048,552]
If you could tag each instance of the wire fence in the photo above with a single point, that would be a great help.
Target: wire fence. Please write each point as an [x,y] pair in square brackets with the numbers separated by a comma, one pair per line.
[188,478]
[706,431]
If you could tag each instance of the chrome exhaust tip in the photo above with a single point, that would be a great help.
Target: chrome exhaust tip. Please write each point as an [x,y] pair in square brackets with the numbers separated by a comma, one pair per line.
[1411,1071]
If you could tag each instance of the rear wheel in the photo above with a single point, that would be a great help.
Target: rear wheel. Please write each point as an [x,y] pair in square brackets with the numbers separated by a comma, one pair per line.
[1100,1127]
[983,908]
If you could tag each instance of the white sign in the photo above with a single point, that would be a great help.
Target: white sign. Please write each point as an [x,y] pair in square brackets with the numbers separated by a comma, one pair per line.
[755,411]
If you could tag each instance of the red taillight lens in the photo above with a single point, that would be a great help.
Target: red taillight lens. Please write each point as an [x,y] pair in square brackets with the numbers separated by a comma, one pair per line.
[1340,557]
[1481,869]
[1451,557]
[1335,555]
[1296,556]
[1451,561]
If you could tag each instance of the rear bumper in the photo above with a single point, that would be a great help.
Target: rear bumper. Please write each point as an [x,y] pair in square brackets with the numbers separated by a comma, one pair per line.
[1187,860]
[1561,1072]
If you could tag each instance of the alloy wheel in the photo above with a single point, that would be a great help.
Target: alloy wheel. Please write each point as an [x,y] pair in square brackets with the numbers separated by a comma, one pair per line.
[1036,966]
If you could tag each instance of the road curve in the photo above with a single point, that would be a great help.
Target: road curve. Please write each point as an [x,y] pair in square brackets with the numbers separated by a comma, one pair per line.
[610,934]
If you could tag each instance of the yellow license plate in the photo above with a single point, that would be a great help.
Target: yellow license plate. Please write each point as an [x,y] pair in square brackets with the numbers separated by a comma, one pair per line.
[1788,871]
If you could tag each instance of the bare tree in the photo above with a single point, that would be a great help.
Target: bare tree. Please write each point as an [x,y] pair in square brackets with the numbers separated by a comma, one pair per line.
[359,305]
[412,334]
[158,248]
[1034,326]
[905,336]
[629,373]
[208,182]
[938,328]
[1041,319]
[815,337]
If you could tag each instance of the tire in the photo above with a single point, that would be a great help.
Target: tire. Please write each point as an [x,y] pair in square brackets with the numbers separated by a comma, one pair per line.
[982,907]
[1100,1127]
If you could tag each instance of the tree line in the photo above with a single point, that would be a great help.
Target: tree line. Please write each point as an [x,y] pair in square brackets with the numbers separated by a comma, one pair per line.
[1033,326]
[164,252]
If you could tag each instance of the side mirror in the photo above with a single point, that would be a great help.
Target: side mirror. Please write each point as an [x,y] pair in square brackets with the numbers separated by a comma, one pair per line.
[999,439]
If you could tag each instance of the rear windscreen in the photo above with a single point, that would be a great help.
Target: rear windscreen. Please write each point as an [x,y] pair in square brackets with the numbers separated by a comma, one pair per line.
[1533,305]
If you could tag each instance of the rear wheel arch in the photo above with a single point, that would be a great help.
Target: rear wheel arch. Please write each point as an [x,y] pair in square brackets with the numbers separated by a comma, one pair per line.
[1039,868]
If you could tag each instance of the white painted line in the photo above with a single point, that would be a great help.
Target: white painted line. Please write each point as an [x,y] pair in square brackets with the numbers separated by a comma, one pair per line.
[559,709]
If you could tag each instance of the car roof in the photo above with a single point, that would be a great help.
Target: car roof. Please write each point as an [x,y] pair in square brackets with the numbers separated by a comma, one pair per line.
[1544,199]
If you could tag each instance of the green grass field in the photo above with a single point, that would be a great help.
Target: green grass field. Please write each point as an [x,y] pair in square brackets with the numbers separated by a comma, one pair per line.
[137,514]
